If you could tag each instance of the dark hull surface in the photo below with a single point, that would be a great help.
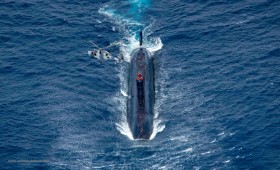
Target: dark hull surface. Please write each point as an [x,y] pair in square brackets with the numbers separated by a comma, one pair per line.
[140,105]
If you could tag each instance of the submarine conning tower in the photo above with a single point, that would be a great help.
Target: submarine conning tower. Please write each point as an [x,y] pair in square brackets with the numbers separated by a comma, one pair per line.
[141,94]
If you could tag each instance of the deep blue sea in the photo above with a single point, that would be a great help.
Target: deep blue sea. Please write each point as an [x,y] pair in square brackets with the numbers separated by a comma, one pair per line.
[217,84]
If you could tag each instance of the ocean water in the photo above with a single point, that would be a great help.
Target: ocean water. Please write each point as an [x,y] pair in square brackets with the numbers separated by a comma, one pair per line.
[217,84]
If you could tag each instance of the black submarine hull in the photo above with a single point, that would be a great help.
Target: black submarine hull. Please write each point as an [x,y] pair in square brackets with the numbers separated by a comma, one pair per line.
[141,94]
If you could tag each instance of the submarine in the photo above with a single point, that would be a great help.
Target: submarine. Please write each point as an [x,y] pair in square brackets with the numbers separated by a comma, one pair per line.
[141,93]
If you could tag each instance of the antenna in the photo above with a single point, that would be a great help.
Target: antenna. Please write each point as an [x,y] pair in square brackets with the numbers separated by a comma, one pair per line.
[141,38]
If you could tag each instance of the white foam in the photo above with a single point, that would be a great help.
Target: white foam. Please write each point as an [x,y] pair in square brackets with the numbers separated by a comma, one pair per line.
[128,47]
[123,127]
[205,153]
[124,93]
[213,141]
[122,124]
[232,148]
[188,150]
[155,46]
[221,134]
[158,127]
[180,138]
[227,161]
[116,18]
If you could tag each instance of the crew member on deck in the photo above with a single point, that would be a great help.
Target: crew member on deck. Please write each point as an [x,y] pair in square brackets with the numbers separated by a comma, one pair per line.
[139,77]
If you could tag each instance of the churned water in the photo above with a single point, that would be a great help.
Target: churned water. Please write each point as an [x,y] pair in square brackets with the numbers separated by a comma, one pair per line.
[217,84]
